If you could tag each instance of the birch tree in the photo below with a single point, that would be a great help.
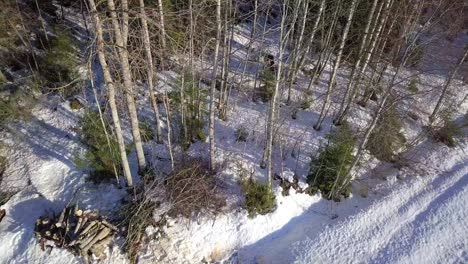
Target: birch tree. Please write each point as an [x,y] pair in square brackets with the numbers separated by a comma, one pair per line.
[150,67]
[374,38]
[297,47]
[213,86]
[303,55]
[357,64]
[272,109]
[162,28]
[399,49]
[331,82]
[121,35]
[110,92]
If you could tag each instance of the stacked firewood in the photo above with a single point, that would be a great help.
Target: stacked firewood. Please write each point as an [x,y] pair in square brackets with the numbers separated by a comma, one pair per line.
[82,232]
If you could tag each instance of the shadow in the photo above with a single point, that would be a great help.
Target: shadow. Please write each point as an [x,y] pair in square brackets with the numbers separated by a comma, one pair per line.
[424,216]
[45,141]
[21,213]
[319,216]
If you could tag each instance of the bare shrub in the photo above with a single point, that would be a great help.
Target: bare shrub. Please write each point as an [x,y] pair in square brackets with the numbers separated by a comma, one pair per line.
[136,216]
[191,188]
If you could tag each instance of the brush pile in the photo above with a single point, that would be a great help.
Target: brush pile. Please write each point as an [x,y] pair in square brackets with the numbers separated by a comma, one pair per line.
[84,233]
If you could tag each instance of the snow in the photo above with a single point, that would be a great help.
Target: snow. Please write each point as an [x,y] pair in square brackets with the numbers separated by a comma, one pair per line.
[420,220]
[42,170]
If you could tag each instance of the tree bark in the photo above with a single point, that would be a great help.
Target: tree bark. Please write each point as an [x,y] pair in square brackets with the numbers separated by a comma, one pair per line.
[162,25]
[271,112]
[213,86]
[310,41]
[127,77]
[357,64]
[150,67]
[111,93]
[331,83]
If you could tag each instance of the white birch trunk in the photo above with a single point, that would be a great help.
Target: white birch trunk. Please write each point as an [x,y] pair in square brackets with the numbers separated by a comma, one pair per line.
[127,77]
[213,86]
[271,112]
[357,64]
[162,25]
[150,67]
[296,53]
[331,83]
[111,93]
[310,41]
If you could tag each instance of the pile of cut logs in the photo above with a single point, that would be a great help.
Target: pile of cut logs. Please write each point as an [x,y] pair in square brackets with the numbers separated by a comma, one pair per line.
[82,232]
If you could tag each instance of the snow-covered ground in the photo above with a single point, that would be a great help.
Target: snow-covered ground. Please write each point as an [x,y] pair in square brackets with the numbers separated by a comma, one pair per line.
[411,215]
[418,219]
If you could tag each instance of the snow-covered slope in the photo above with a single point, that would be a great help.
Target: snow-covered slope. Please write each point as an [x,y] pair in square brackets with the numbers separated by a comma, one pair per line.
[419,219]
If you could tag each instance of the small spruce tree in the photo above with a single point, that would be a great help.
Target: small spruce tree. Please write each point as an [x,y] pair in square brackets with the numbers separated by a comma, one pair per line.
[386,138]
[329,169]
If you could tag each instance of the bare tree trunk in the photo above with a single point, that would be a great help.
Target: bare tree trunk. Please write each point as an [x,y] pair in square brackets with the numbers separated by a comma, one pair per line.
[376,36]
[213,86]
[225,66]
[150,68]
[331,83]
[296,49]
[124,8]
[357,63]
[228,88]
[271,112]
[447,86]
[169,129]
[376,54]
[310,41]
[163,31]
[387,94]
[111,93]
[127,77]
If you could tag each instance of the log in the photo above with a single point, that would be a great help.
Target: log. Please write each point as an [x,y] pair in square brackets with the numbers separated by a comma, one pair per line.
[79,212]
[111,226]
[78,225]
[88,231]
[89,236]
[61,217]
[101,235]
[99,247]
[104,242]
[89,226]
[85,220]
[85,257]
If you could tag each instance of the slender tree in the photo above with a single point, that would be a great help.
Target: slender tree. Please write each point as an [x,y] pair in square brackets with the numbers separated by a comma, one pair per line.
[357,64]
[303,55]
[213,86]
[447,86]
[162,27]
[273,101]
[331,82]
[111,92]
[150,67]
[121,35]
